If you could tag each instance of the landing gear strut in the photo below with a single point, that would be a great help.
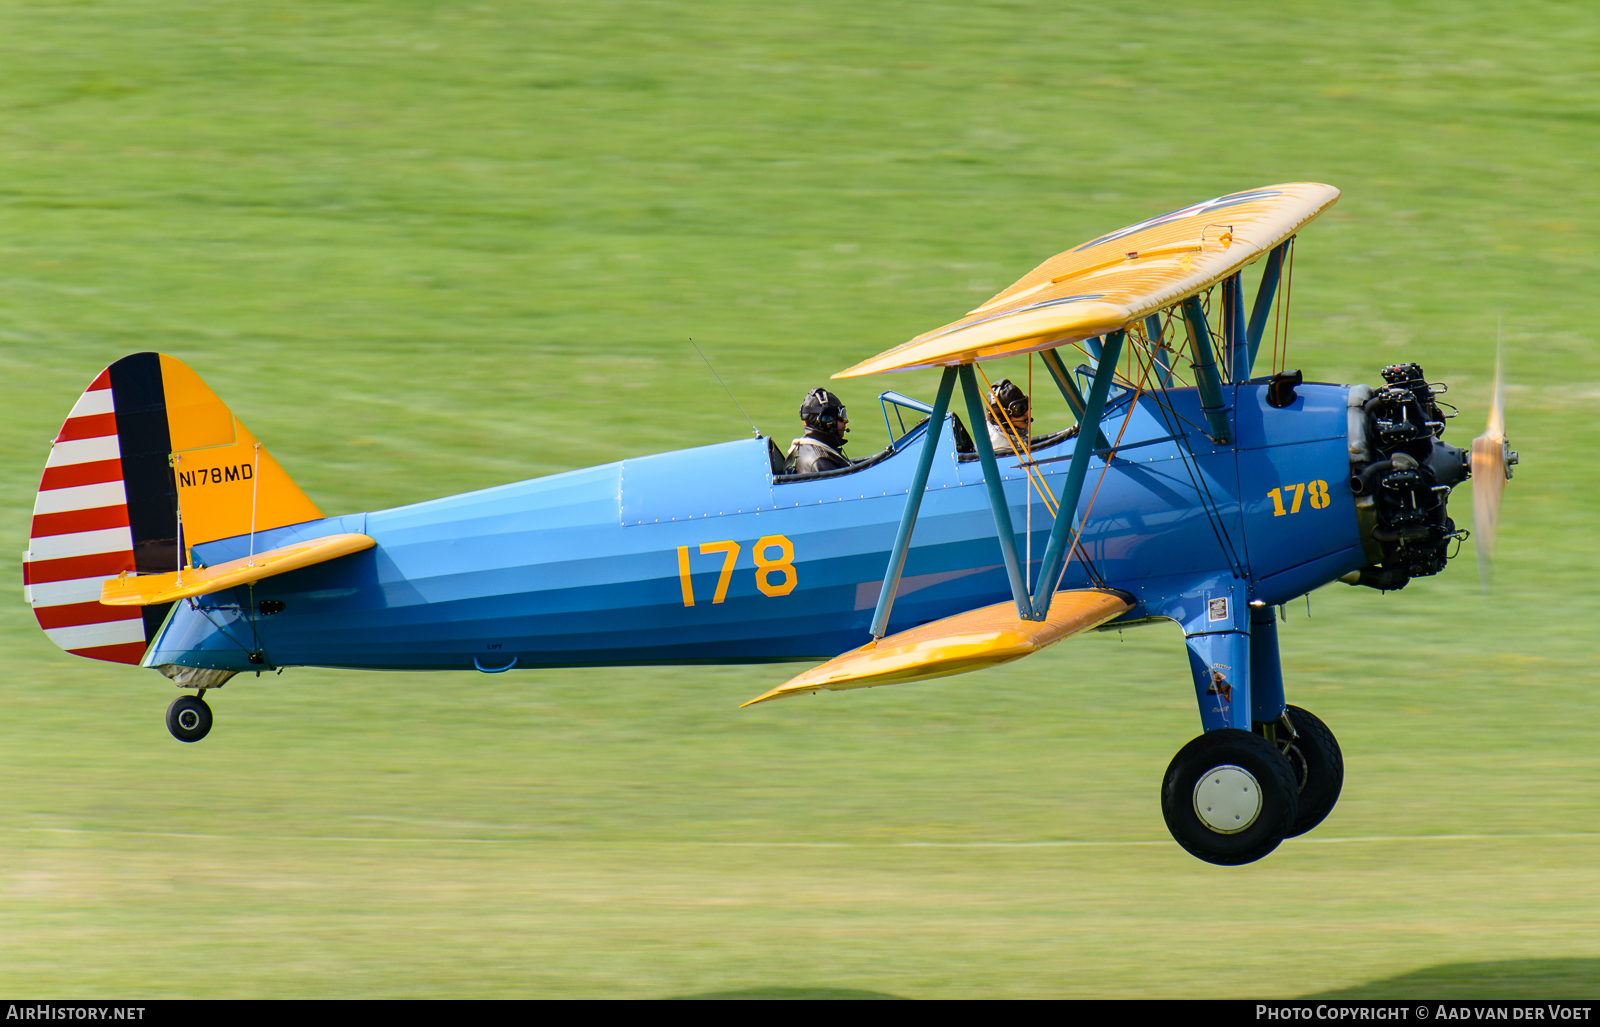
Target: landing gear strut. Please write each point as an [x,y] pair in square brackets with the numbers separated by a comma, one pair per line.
[1318,764]
[1231,795]
[189,718]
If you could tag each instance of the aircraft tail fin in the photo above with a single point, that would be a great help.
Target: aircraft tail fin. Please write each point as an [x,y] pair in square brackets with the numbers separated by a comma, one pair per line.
[146,440]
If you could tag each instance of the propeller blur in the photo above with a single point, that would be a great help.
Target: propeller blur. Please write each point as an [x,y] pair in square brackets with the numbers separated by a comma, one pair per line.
[1492,459]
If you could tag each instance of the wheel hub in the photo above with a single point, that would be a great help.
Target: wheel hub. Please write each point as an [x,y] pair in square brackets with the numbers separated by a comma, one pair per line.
[1227,799]
[188,720]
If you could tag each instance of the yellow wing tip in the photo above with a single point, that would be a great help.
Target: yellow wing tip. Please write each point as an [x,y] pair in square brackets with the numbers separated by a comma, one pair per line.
[776,693]
[855,370]
[964,642]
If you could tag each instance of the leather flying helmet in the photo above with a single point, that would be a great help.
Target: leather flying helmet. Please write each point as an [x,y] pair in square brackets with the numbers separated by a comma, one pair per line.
[824,411]
[1006,396]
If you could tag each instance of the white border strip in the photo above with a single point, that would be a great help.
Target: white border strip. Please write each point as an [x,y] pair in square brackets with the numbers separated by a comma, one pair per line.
[60,593]
[111,632]
[96,401]
[80,497]
[81,543]
[82,451]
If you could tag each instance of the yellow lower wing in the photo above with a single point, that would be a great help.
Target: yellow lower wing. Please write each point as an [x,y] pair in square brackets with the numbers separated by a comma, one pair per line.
[150,589]
[967,641]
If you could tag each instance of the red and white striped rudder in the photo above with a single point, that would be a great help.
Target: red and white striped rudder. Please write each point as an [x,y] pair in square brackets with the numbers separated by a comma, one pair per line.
[81,536]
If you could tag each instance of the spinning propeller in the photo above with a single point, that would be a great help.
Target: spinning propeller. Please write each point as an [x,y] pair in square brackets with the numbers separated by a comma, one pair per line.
[1491,467]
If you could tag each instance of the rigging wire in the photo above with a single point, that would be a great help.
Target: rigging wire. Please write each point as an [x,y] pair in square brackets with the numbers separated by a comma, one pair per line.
[1169,416]
[1169,335]
[1027,535]
[1288,297]
[1280,315]
[1021,447]
[1025,457]
[1160,342]
[753,429]
[1105,466]
[1167,331]
[221,629]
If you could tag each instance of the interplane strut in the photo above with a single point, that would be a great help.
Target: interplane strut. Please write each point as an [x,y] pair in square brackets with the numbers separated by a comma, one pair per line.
[1241,341]
[1034,607]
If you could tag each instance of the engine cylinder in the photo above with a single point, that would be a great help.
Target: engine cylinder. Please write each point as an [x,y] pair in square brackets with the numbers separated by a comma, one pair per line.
[1403,486]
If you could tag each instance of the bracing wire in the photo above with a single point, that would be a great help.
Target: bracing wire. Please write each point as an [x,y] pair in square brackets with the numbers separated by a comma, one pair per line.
[1288,297]
[1160,342]
[255,492]
[1083,522]
[205,612]
[1027,534]
[1280,314]
[1172,420]
[753,429]
[1022,447]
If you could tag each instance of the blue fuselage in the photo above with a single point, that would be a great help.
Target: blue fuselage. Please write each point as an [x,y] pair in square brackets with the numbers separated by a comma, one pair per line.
[600,566]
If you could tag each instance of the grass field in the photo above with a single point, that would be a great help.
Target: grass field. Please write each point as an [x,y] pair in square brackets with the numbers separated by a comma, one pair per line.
[423,248]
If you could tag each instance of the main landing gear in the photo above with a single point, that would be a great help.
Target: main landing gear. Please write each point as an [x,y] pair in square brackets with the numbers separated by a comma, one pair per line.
[1263,771]
[1231,796]
[189,718]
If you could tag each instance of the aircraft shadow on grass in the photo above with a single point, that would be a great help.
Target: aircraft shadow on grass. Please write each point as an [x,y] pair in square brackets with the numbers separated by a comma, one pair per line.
[1508,979]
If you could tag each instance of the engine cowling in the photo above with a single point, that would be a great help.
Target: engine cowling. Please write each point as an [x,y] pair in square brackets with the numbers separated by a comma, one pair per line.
[1401,474]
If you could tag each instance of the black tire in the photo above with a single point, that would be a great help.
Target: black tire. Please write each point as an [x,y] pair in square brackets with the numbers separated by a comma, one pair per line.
[1261,762]
[189,718]
[1318,768]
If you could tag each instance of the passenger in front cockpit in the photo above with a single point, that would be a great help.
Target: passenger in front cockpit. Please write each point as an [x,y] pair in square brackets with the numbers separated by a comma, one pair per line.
[823,416]
[1010,416]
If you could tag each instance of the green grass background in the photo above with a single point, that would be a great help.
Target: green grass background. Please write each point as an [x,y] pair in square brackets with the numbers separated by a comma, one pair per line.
[428,247]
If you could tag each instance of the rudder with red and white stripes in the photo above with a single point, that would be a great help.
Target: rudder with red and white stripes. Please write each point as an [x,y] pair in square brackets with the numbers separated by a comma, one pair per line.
[81,536]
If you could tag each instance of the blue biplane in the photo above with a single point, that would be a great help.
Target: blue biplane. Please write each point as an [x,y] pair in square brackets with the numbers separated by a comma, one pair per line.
[165,535]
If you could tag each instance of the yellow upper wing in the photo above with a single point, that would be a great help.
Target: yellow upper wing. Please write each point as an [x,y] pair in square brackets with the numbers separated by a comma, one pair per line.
[1116,279]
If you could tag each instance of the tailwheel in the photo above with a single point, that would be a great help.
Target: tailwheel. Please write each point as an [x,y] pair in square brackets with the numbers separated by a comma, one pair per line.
[1318,764]
[1229,797]
[189,718]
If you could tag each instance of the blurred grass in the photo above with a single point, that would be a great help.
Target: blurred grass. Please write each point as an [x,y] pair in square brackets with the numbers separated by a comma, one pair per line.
[422,248]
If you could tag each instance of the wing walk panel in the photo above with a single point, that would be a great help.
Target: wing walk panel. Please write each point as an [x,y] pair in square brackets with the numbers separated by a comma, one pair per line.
[984,637]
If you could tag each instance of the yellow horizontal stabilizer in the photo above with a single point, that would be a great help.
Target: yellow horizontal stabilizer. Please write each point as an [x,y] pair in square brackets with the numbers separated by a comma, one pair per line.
[1116,279]
[955,645]
[150,589]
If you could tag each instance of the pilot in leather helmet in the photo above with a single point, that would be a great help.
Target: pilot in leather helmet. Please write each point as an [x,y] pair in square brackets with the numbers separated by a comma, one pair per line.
[1006,396]
[823,416]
